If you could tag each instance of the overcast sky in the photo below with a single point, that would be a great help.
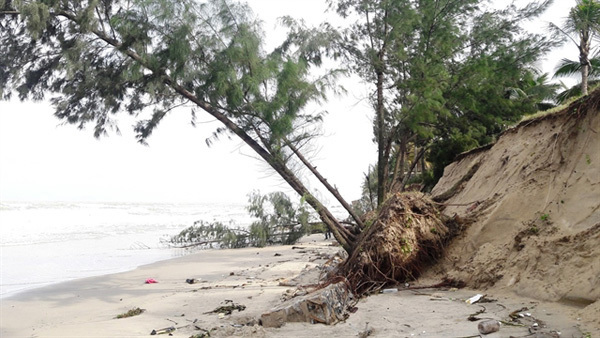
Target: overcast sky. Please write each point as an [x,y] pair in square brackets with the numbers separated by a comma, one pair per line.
[41,160]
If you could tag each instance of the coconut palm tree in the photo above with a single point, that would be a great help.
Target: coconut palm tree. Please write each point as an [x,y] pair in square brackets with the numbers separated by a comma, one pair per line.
[569,68]
[584,22]
[535,87]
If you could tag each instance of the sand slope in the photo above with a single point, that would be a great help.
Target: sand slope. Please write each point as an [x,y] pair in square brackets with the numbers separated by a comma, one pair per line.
[534,202]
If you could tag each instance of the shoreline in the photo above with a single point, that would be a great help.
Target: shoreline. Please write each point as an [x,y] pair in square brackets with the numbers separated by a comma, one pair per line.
[250,277]
[112,262]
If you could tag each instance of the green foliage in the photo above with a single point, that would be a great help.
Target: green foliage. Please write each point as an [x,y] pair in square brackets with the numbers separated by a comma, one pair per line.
[447,75]
[98,58]
[582,27]
[569,68]
[545,217]
[212,234]
[278,221]
[133,312]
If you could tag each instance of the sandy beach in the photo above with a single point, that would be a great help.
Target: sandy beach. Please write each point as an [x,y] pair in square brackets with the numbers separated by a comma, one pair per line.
[253,277]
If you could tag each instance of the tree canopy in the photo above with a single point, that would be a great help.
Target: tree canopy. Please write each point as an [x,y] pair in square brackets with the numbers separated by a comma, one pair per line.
[582,27]
[442,73]
[96,59]
[446,75]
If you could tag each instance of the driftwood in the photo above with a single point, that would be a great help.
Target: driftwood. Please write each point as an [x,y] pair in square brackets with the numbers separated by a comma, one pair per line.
[326,306]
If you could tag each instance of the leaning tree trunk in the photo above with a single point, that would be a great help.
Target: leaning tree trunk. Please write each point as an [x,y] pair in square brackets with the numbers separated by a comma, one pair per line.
[330,188]
[343,236]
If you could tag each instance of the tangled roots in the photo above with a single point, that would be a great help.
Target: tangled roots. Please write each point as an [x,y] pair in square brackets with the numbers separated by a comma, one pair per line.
[407,235]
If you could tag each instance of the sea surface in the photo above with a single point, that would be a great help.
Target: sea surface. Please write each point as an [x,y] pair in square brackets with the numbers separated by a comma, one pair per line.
[46,243]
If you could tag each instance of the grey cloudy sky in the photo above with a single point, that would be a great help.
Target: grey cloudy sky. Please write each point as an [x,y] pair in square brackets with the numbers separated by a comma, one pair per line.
[41,160]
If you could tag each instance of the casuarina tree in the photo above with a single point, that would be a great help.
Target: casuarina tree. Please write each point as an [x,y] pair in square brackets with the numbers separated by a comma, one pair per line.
[428,60]
[439,70]
[96,59]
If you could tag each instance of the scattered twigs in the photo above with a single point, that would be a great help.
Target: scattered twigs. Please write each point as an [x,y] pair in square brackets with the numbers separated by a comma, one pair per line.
[228,309]
[473,317]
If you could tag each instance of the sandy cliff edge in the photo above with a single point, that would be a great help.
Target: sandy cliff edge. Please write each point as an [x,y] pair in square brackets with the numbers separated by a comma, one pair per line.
[533,202]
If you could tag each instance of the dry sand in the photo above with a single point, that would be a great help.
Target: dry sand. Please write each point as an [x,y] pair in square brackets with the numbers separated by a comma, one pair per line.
[534,204]
[251,277]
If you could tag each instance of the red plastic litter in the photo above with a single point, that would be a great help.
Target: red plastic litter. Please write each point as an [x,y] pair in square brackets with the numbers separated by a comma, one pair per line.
[150,281]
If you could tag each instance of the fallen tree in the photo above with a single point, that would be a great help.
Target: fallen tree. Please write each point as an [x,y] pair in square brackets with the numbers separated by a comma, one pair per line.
[409,234]
[100,58]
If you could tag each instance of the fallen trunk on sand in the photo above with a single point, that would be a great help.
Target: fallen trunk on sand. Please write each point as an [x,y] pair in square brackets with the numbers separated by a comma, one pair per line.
[325,306]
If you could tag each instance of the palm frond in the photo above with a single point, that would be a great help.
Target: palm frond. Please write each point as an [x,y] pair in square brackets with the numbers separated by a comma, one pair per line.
[573,91]
[568,68]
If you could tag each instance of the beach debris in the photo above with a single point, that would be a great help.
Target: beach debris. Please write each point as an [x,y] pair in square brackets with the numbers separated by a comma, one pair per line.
[285,282]
[298,247]
[166,330]
[192,281]
[516,314]
[232,273]
[133,312]
[474,299]
[277,254]
[151,281]
[473,317]
[366,332]
[390,290]
[488,326]
[437,296]
[292,293]
[204,334]
[228,308]
[485,299]
[327,306]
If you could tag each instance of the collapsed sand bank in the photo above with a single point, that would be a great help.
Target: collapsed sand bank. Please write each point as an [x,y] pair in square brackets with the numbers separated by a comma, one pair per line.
[254,278]
[532,202]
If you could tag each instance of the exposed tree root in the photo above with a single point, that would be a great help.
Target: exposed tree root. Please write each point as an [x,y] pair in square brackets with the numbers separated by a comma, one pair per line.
[408,235]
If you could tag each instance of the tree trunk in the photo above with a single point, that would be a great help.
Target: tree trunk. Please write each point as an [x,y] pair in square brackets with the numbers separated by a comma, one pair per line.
[584,52]
[412,167]
[343,236]
[331,189]
[381,144]
[400,164]
[369,185]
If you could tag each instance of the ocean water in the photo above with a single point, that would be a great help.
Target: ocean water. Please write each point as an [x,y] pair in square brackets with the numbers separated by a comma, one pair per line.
[46,243]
